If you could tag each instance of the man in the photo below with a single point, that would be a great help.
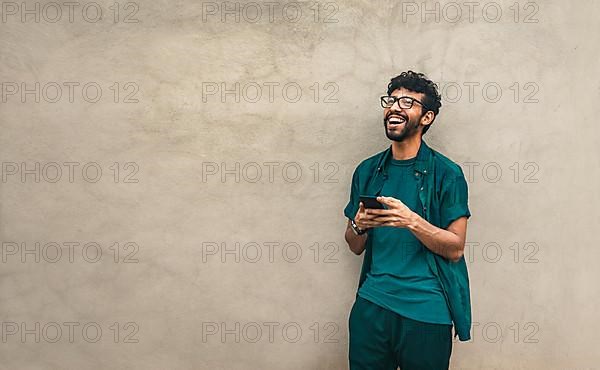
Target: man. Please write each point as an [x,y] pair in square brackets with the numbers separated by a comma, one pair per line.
[414,284]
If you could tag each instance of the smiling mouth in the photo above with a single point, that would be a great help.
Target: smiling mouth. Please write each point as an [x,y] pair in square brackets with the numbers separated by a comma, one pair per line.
[395,120]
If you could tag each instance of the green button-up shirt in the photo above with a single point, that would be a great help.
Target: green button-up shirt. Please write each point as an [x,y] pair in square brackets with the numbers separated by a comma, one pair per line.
[444,198]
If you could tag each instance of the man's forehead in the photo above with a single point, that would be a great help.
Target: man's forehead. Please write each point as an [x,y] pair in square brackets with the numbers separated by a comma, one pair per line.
[404,92]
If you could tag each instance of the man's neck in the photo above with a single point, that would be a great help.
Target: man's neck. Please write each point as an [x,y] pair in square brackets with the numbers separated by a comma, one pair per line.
[407,148]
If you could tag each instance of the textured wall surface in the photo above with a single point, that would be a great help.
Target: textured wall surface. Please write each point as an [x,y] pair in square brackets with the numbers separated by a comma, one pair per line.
[174,174]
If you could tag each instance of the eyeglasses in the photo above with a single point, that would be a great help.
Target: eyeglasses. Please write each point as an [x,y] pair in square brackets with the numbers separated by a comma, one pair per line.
[405,102]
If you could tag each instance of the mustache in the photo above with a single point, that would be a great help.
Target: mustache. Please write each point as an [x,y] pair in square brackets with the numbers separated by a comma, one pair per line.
[387,116]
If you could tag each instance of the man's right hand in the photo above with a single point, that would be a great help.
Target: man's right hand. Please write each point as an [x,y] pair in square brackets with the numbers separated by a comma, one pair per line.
[363,219]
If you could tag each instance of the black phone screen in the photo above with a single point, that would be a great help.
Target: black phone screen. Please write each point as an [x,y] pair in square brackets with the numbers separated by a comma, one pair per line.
[371,202]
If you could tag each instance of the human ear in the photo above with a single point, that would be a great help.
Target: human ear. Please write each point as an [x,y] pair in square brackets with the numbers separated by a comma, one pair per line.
[427,118]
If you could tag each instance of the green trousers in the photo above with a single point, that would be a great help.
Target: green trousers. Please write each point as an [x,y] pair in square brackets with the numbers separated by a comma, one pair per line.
[383,340]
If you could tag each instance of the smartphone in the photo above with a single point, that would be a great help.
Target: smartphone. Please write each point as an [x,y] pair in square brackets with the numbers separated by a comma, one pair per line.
[370,201]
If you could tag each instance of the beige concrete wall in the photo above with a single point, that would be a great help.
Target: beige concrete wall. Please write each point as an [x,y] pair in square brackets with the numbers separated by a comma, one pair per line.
[166,211]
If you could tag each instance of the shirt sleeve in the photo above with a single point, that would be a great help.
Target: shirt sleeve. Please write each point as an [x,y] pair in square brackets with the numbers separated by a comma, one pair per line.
[352,206]
[454,202]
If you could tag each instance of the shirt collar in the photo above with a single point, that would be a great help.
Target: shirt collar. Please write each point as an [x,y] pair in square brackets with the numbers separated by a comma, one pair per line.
[420,163]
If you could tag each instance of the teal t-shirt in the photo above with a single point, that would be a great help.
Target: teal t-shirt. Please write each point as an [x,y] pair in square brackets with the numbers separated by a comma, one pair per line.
[400,278]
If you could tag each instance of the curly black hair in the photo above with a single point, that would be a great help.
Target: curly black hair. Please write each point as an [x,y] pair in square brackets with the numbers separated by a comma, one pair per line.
[419,83]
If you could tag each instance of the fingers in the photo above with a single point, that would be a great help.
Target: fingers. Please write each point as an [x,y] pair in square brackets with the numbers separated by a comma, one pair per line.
[372,220]
[390,201]
[384,219]
[361,212]
[368,223]
[369,217]
[360,216]
[378,212]
[373,217]
[391,222]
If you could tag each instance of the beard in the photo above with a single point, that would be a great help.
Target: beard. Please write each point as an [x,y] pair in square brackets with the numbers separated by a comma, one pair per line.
[409,128]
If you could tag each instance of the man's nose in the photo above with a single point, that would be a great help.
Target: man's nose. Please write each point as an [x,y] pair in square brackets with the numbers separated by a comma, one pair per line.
[396,107]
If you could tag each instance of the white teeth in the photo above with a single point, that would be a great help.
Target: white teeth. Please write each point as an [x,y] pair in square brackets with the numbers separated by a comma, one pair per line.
[396,120]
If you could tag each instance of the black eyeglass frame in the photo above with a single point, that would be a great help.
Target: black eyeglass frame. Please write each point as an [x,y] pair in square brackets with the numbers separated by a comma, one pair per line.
[396,98]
